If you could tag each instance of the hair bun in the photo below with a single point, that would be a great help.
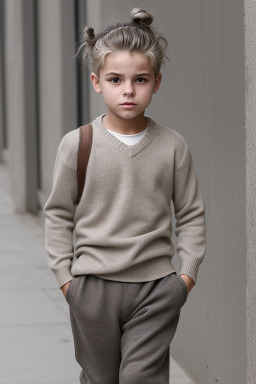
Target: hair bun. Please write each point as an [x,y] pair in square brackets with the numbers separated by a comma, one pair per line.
[141,16]
[89,34]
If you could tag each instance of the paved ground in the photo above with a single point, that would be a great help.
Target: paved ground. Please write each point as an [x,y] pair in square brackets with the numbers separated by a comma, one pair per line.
[36,339]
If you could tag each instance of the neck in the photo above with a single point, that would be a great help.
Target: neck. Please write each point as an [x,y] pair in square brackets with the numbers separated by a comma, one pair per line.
[125,126]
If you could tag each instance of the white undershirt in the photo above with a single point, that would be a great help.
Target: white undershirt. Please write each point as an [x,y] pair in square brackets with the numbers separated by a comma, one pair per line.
[130,139]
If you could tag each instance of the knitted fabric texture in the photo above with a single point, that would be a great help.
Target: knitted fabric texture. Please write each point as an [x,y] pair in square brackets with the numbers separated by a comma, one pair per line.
[123,224]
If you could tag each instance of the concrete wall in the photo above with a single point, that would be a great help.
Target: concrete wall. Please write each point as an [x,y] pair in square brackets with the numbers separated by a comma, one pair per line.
[19,87]
[2,96]
[15,101]
[97,12]
[250,96]
[44,91]
[20,113]
[202,97]
[57,82]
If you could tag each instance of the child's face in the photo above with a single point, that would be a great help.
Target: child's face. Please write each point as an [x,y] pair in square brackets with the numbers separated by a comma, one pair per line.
[127,77]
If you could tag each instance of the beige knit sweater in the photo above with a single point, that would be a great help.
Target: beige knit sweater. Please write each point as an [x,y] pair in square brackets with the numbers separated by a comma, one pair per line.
[123,223]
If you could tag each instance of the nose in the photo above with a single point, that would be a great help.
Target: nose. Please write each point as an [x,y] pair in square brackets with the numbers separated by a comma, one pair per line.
[128,89]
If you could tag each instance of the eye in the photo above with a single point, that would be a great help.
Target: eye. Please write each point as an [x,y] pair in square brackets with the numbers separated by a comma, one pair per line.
[141,80]
[114,80]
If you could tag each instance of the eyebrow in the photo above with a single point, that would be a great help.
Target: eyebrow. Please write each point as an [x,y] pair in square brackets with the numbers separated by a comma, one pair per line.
[118,74]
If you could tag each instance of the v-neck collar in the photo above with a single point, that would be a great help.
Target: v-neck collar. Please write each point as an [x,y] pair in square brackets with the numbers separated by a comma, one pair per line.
[129,150]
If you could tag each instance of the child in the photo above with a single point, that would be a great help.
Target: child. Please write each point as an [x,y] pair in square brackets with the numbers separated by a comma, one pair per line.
[123,292]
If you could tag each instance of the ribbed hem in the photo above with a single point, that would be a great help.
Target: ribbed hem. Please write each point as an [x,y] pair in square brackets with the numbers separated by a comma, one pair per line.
[130,150]
[147,271]
[63,276]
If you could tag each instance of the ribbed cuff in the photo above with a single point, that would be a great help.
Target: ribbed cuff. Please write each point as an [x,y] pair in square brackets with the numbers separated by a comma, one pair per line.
[63,276]
[190,268]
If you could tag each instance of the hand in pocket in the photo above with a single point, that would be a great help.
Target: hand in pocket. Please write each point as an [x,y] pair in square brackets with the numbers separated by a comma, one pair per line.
[64,288]
[189,282]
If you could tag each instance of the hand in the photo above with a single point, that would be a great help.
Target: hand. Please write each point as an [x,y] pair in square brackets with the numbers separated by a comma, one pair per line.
[189,282]
[64,288]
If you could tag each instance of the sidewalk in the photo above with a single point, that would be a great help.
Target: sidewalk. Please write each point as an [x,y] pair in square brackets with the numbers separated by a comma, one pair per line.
[36,338]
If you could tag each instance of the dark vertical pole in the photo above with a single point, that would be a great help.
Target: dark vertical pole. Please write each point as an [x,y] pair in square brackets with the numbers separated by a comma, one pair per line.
[30,105]
[83,107]
[37,94]
[78,66]
[3,133]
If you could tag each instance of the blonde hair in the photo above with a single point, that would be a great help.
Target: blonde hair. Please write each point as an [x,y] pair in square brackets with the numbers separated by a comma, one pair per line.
[136,35]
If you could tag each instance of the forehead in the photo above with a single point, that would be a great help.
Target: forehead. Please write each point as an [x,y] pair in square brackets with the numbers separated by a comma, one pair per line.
[127,61]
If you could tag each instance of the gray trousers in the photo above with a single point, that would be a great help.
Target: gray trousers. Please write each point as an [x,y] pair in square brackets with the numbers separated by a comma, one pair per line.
[122,331]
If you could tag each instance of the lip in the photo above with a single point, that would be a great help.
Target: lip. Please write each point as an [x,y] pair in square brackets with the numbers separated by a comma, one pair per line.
[128,105]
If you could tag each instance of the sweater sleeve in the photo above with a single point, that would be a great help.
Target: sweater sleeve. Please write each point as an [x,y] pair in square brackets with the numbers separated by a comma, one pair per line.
[59,213]
[190,216]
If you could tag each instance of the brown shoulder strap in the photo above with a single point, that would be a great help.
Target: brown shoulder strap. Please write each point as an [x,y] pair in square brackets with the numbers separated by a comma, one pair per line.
[85,143]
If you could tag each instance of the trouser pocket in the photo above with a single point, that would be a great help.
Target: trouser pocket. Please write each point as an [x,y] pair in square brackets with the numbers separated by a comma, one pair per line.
[183,288]
[71,288]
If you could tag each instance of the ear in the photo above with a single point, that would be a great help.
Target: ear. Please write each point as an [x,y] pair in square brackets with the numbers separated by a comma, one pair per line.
[158,80]
[95,82]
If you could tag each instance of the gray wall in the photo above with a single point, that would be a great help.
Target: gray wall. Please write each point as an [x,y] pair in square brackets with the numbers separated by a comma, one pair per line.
[19,91]
[15,102]
[202,97]
[250,96]
[57,82]
[2,96]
